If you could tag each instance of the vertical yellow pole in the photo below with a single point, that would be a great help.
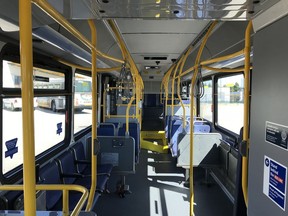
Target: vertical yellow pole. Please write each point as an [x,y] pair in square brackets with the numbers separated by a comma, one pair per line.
[26,60]
[178,86]
[65,200]
[127,113]
[246,111]
[94,117]
[173,85]
[193,82]
[104,105]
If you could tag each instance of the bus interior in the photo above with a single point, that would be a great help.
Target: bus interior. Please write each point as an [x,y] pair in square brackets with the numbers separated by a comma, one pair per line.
[148,108]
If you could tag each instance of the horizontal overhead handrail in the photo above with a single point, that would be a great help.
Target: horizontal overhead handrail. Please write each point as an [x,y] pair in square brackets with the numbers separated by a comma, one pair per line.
[224,70]
[54,14]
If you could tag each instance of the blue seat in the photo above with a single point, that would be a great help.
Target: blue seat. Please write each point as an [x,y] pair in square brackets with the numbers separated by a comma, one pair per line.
[70,174]
[176,129]
[134,131]
[204,128]
[167,125]
[83,165]
[50,174]
[106,129]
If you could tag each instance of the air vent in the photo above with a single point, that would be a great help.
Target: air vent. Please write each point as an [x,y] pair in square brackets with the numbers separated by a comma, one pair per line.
[155,58]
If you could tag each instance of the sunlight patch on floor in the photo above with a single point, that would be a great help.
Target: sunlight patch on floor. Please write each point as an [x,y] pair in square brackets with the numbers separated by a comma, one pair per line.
[151,172]
[155,202]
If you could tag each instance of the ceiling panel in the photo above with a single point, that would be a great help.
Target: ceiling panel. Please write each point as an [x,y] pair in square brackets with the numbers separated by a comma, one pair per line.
[158,43]
[161,26]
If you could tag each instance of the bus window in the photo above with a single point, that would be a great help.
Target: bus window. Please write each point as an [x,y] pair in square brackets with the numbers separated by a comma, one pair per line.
[206,101]
[49,126]
[230,102]
[43,78]
[82,102]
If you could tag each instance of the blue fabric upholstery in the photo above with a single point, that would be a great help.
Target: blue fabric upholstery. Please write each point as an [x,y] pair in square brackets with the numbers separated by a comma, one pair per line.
[84,167]
[106,129]
[70,175]
[49,174]
[202,128]
[134,131]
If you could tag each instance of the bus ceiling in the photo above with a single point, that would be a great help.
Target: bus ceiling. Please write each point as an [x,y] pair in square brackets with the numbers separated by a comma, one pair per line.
[156,33]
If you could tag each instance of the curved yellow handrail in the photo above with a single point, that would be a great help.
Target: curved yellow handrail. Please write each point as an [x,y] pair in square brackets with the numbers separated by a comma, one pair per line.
[64,188]
[193,82]
[246,111]
[173,84]
[54,14]
[127,113]
[178,89]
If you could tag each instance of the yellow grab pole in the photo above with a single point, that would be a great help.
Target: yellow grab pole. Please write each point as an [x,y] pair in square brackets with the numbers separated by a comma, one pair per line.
[167,89]
[224,70]
[26,60]
[54,14]
[94,117]
[222,58]
[127,114]
[173,85]
[65,201]
[246,111]
[104,104]
[178,87]
[193,82]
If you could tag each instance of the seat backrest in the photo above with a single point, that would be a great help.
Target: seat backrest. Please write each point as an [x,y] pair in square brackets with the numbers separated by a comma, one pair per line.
[106,129]
[134,131]
[202,128]
[49,174]
[79,154]
[67,165]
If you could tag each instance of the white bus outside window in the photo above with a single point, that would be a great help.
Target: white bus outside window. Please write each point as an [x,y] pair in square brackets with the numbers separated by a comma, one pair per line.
[82,102]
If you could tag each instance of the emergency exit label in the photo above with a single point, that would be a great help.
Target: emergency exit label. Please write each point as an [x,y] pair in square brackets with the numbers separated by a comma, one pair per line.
[274,181]
[276,134]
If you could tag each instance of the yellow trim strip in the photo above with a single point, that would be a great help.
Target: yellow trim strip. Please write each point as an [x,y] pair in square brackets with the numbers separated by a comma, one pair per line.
[26,60]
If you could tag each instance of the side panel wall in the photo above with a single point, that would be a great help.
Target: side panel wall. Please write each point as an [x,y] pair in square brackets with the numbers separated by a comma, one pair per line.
[269,103]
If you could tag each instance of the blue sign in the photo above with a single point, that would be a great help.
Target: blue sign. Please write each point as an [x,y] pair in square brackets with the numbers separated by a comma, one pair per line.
[11,148]
[274,182]
[59,128]
[277,176]
[277,197]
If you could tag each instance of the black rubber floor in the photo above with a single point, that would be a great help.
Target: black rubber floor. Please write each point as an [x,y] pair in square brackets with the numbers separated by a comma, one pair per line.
[157,190]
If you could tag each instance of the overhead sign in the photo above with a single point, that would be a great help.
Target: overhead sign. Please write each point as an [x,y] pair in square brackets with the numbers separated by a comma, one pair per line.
[274,181]
[276,134]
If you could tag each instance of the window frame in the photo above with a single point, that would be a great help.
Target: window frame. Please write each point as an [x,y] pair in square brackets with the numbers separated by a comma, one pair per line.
[11,53]
[218,127]
[208,78]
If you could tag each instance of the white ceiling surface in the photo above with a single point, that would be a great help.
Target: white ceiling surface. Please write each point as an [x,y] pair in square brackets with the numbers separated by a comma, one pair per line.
[165,38]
